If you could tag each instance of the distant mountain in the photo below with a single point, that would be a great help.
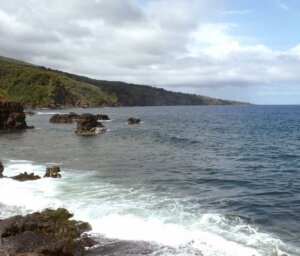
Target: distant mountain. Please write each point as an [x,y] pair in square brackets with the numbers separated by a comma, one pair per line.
[37,86]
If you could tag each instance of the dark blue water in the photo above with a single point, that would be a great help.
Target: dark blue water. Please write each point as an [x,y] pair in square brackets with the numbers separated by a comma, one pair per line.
[223,176]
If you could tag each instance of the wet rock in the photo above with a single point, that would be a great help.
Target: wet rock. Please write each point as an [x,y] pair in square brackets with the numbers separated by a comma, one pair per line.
[64,118]
[87,241]
[12,116]
[52,172]
[42,233]
[1,170]
[25,177]
[88,124]
[132,120]
[102,117]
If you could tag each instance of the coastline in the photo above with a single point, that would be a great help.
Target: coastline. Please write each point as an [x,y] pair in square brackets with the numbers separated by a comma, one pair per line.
[125,185]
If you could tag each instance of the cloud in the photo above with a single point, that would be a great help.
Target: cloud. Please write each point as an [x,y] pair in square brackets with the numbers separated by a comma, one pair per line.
[236,12]
[282,5]
[167,43]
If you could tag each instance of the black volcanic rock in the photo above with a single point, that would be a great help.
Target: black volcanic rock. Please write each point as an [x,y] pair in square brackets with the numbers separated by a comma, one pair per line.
[52,172]
[12,116]
[132,120]
[1,170]
[48,233]
[25,177]
[64,118]
[102,117]
[88,124]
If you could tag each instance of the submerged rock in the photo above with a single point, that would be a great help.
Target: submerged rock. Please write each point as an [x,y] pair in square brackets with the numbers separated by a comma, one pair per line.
[43,233]
[52,172]
[12,116]
[89,125]
[132,120]
[25,177]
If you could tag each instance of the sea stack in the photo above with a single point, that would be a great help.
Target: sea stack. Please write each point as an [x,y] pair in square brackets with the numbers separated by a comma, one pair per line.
[12,116]
[88,124]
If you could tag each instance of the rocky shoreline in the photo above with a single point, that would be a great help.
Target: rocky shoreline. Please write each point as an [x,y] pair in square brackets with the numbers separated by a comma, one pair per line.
[46,233]
[51,232]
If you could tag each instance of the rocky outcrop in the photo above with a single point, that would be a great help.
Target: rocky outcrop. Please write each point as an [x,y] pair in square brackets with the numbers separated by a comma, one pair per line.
[64,118]
[132,120]
[12,116]
[46,233]
[89,125]
[73,117]
[1,170]
[25,177]
[52,172]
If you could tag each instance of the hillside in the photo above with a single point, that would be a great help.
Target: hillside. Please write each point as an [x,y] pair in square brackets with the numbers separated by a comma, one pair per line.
[36,86]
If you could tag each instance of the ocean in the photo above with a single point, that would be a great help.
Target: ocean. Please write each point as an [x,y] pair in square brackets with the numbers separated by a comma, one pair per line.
[194,180]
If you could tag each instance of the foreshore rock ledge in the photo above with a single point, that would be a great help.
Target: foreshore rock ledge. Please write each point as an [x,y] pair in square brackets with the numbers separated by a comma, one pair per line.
[46,233]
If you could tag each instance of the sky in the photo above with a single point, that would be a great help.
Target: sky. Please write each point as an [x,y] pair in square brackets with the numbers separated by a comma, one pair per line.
[246,50]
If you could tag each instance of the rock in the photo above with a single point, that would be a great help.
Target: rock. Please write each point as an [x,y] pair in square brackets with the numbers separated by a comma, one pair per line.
[52,172]
[42,233]
[73,116]
[132,120]
[29,113]
[88,124]
[102,117]
[87,241]
[52,106]
[1,170]
[25,177]
[64,118]
[12,116]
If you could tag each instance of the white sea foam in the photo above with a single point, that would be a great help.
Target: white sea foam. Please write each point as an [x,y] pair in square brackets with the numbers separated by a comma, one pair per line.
[122,213]
[47,113]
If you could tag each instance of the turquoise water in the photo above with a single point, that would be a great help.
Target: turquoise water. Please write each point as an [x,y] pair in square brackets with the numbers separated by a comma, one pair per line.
[207,180]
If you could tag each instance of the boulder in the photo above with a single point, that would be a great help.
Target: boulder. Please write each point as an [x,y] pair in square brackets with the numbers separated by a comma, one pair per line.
[88,124]
[25,177]
[42,233]
[12,116]
[52,172]
[1,170]
[132,120]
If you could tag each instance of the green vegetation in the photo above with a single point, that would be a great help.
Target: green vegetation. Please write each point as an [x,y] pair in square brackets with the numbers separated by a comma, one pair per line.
[36,86]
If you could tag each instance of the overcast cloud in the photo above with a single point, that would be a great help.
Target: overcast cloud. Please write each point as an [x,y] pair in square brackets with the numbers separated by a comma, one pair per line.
[178,45]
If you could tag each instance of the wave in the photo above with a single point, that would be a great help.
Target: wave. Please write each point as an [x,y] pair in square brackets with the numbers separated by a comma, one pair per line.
[123,213]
